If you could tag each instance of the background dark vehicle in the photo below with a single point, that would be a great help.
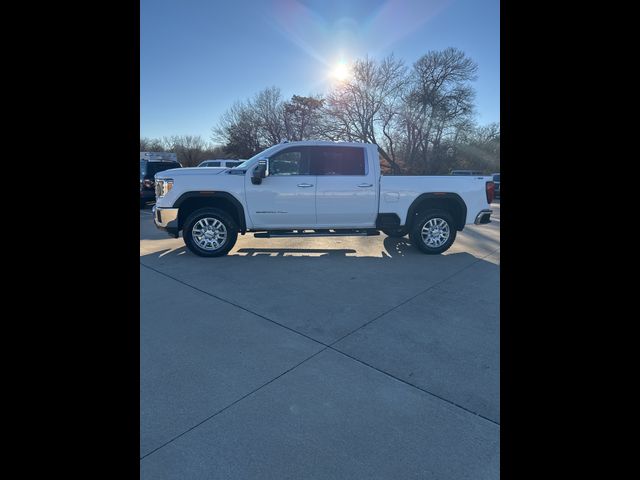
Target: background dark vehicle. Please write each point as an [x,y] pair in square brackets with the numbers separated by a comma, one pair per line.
[496,182]
[148,168]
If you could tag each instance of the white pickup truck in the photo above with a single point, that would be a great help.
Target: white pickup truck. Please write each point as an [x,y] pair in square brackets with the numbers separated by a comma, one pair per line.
[314,188]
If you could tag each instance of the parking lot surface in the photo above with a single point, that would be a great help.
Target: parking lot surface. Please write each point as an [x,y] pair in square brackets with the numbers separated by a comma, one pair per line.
[320,358]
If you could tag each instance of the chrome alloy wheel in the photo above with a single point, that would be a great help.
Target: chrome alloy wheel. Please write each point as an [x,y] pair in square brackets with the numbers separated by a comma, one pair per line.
[209,233]
[435,232]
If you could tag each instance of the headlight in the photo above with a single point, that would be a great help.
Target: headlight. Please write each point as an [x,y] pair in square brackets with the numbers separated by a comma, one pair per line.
[163,187]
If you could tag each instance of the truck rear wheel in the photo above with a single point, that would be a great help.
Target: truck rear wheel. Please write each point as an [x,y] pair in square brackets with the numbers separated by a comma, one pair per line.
[433,232]
[210,232]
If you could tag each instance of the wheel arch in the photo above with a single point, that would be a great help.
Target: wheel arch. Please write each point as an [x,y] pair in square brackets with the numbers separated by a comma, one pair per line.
[451,202]
[190,201]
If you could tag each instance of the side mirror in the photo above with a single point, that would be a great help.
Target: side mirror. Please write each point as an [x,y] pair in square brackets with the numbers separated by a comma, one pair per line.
[260,172]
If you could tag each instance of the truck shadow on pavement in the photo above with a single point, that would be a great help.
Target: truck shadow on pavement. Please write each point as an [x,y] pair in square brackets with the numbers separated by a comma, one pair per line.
[393,248]
[283,252]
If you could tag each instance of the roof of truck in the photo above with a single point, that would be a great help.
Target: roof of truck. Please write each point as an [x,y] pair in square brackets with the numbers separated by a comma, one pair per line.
[326,142]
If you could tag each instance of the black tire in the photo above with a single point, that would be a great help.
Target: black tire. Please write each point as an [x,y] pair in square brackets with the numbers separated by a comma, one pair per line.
[416,231]
[213,213]
[396,232]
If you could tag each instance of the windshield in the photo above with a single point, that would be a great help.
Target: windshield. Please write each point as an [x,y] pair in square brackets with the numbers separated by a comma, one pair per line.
[265,153]
[496,178]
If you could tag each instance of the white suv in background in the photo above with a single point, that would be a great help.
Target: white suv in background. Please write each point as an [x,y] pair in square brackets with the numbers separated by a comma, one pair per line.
[221,163]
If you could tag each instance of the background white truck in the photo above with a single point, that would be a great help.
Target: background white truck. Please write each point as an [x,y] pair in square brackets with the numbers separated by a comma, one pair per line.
[159,156]
[315,188]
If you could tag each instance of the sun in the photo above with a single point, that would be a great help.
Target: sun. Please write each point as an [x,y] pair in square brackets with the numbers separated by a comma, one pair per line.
[341,71]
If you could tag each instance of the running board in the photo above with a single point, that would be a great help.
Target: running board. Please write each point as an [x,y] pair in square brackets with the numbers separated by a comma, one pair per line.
[318,233]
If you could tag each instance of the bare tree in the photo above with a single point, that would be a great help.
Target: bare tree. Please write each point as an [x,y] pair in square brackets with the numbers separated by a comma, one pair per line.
[480,149]
[188,148]
[239,130]
[440,94]
[248,127]
[215,151]
[302,117]
[488,133]
[151,145]
[364,107]
[421,119]
[269,111]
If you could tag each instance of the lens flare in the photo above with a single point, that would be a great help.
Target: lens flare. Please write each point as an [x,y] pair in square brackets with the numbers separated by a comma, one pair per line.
[322,28]
[341,72]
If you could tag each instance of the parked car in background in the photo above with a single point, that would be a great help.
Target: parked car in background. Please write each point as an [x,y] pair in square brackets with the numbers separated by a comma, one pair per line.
[466,172]
[221,163]
[150,164]
[496,182]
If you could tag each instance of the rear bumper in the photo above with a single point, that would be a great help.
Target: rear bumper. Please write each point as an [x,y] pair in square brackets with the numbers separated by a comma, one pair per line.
[166,219]
[483,217]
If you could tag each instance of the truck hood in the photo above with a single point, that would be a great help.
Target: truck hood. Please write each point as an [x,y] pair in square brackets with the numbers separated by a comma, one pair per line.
[182,172]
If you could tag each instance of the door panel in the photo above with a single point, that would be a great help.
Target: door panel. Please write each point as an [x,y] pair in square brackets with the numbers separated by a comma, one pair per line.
[340,202]
[286,198]
[346,194]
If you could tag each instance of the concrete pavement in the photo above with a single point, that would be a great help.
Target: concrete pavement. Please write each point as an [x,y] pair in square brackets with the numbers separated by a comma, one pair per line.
[353,357]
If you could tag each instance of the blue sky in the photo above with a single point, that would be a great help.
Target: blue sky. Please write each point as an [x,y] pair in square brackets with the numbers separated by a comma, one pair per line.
[197,57]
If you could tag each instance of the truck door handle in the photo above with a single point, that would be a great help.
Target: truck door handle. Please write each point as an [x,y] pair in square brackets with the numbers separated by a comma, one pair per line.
[364,185]
[305,185]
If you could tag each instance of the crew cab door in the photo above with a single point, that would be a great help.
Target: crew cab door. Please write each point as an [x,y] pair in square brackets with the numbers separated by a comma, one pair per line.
[286,199]
[347,192]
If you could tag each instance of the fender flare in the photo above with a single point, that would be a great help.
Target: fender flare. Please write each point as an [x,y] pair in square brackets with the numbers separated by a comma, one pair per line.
[461,220]
[215,194]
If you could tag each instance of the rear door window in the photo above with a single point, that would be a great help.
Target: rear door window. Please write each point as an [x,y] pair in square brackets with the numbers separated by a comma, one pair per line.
[338,161]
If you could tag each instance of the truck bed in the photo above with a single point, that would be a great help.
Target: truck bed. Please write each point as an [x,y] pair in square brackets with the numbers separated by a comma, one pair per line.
[397,192]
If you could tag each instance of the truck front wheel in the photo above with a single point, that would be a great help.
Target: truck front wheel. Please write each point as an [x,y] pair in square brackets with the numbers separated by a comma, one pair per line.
[433,231]
[209,232]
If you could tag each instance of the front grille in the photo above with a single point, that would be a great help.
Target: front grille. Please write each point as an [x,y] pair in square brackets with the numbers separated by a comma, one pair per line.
[159,185]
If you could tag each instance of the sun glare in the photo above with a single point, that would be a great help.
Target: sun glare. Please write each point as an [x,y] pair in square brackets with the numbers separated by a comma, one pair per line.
[341,72]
